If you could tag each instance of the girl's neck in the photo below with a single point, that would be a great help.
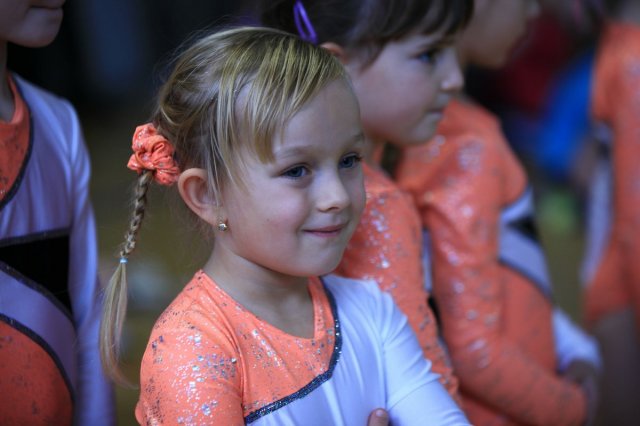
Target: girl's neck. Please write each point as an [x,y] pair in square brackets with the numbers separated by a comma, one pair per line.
[281,300]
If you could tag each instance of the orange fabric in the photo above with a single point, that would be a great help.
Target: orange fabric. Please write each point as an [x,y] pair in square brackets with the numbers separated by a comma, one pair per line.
[32,388]
[616,101]
[14,143]
[200,363]
[152,151]
[387,248]
[497,325]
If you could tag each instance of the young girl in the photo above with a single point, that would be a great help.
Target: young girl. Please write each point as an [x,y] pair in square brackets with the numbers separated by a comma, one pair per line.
[489,275]
[612,296]
[50,371]
[400,58]
[268,138]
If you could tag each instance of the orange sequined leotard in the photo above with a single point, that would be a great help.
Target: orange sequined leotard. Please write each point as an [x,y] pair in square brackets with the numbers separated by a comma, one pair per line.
[211,361]
[495,310]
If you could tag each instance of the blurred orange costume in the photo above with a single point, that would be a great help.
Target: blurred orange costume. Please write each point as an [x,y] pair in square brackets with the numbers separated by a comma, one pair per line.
[496,318]
[387,248]
[616,102]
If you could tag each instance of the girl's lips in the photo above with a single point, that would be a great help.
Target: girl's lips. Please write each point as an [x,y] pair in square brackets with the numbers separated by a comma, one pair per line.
[327,230]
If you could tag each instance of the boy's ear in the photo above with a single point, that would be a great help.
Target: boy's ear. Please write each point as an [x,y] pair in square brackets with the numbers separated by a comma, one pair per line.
[193,186]
[337,51]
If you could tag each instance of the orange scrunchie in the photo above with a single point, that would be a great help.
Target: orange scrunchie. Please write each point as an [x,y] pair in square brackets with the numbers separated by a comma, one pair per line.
[152,151]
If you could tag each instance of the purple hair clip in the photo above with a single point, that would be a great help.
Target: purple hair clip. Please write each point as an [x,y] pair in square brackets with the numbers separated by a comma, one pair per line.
[303,24]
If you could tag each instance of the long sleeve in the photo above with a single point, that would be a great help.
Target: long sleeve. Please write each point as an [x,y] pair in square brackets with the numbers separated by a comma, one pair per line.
[460,199]
[190,374]
[387,248]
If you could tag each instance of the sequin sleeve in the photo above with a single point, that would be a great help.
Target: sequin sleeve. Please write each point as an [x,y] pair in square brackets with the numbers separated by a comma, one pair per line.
[386,248]
[459,199]
[617,103]
[189,373]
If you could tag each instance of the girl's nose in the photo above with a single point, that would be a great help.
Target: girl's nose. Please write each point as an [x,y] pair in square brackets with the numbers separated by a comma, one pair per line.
[453,80]
[333,194]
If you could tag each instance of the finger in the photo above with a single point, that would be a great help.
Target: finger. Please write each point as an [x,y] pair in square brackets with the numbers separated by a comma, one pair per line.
[378,417]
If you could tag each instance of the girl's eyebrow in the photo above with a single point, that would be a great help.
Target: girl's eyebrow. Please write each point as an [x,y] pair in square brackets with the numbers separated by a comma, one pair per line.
[300,150]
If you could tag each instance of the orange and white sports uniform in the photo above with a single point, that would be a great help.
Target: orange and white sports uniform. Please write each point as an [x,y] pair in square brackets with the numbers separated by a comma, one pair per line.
[210,361]
[489,275]
[616,104]
[387,248]
[50,370]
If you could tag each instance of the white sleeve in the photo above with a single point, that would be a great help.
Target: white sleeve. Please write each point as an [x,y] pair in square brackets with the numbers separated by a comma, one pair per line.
[573,343]
[415,396]
[95,400]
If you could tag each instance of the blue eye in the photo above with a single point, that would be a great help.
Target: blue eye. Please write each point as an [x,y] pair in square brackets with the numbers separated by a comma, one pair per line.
[429,56]
[295,172]
[350,161]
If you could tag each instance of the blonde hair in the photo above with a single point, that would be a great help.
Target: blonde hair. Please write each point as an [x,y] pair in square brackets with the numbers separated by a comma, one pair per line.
[230,90]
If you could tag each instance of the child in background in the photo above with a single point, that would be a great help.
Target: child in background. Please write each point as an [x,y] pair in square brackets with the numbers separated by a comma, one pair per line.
[400,58]
[612,294]
[50,371]
[268,138]
[518,360]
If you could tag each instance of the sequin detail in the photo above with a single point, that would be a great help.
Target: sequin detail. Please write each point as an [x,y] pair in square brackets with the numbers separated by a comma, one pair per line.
[210,358]
[496,323]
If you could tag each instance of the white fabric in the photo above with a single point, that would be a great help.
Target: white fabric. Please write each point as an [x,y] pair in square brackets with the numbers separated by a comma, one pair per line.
[380,366]
[572,343]
[53,195]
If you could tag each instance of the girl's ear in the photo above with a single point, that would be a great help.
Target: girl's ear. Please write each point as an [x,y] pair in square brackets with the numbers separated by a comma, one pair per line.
[337,51]
[193,186]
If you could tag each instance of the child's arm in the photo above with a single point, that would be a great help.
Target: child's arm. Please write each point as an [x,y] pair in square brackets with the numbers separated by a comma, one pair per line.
[461,208]
[387,249]
[95,402]
[189,376]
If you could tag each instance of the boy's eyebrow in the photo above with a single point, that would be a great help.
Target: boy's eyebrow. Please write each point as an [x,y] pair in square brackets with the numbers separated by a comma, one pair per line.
[440,42]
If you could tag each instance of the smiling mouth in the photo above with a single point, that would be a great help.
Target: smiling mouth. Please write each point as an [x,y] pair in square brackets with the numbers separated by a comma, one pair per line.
[328,231]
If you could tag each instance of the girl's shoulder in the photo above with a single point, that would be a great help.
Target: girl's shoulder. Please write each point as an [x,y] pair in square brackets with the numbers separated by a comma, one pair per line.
[199,306]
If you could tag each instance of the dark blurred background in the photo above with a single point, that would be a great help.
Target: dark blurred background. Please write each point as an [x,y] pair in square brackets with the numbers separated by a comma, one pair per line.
[110,57]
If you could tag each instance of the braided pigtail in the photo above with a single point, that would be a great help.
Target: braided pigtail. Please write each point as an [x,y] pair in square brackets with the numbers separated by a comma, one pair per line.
[153,160]
[115,298]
